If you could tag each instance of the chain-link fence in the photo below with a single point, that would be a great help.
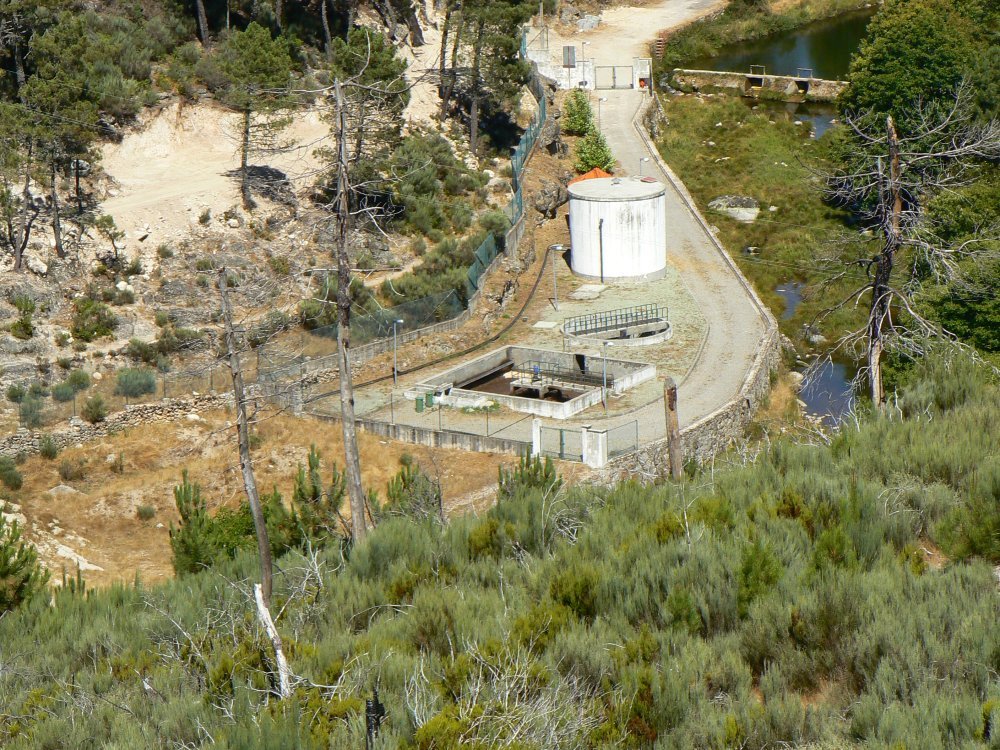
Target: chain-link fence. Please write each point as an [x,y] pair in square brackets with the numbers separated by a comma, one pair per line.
[623,439]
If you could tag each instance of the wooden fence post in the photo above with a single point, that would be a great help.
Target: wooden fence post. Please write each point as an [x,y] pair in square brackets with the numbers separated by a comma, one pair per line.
[673,430]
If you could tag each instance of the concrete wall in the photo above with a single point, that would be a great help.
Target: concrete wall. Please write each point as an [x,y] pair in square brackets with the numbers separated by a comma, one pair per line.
[787,88]
[465,441]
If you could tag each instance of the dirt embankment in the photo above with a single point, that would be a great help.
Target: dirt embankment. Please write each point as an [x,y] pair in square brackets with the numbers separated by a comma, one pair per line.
[177,164]
[91,519]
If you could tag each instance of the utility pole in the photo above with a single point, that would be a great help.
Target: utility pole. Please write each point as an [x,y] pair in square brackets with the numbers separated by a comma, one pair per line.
[673,430]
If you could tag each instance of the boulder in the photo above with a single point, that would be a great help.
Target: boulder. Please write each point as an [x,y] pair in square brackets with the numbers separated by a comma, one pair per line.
[547,200]
[35,265]
[588,22]
[738,207]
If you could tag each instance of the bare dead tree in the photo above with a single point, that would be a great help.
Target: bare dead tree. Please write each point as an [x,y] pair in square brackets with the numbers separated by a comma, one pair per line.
[888,183]
[351,459]
[243,437]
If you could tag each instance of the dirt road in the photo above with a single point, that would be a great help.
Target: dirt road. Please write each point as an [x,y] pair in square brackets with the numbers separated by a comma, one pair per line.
[625,32]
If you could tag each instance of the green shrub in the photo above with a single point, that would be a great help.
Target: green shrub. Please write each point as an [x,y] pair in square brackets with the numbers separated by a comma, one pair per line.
[24,575]
[63,392]
[593,152]
[94,410]
[47,447]
[30,412]
[10,476]
[132,382]
[494,222]
[23,328]
[71,471]
[575,587]
[145,512]
[92,320]
[16,393]
[79,379]
[578,117]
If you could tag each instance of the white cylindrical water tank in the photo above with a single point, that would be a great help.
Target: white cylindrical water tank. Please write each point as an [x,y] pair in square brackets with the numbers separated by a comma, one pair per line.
[618,228]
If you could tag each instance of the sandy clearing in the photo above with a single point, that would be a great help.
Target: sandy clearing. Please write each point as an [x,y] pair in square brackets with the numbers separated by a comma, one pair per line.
[627,31]
[174,166]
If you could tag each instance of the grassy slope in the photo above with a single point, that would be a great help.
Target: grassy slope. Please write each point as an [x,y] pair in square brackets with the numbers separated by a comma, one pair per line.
[775,162]
[802,601]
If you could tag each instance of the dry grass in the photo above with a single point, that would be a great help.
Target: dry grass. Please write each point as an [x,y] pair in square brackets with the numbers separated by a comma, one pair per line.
[99,521]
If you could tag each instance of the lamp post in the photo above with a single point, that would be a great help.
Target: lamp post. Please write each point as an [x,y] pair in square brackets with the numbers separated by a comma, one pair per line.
[599,100]
[395,369]
[553,249]
[642,161]
[583,52]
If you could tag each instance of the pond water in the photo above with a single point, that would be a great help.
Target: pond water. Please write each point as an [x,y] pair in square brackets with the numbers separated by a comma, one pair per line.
[819,116]
[825,47]
[827,390]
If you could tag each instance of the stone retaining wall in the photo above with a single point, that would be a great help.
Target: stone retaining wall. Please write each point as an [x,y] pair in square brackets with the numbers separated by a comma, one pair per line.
[26,441]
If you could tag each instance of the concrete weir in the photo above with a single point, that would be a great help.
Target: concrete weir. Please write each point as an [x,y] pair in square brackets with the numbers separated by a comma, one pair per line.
[760,85]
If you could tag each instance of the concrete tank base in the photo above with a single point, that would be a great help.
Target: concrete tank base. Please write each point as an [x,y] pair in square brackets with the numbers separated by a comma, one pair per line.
[652,276]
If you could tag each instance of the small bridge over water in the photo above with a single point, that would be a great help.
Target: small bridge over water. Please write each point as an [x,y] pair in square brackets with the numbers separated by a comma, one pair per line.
[758,84]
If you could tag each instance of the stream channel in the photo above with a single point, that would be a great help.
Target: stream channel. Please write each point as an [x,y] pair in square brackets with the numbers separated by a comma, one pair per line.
[824,47]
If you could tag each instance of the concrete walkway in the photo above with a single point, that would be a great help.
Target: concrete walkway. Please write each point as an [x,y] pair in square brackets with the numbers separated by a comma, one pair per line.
[737,322]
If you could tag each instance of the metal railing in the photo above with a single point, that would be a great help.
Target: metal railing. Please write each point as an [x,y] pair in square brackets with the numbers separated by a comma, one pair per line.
[610,320]
[544,373]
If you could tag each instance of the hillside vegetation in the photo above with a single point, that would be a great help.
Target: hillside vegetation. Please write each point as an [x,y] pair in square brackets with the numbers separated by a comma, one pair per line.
[800,599]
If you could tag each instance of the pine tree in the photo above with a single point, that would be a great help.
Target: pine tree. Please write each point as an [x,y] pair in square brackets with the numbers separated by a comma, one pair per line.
[21,575]
[191,541]
[259,69]
[319,511]
[592,152]
[578,117]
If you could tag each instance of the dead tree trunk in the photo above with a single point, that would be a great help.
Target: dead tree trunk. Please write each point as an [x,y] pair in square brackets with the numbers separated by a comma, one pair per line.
[325,19]
[351,459]
[56,225]
[673,429]
[881,271]
[448,81]
[281,663]
[248,202]
[199,6]
[443,56]
[476,90]
[23,225]
[243,435]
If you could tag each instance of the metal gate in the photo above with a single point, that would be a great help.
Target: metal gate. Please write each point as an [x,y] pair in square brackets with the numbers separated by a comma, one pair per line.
[559,442]
[613,77]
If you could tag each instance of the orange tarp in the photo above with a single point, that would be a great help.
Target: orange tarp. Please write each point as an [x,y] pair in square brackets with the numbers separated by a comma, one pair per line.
[592,174]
